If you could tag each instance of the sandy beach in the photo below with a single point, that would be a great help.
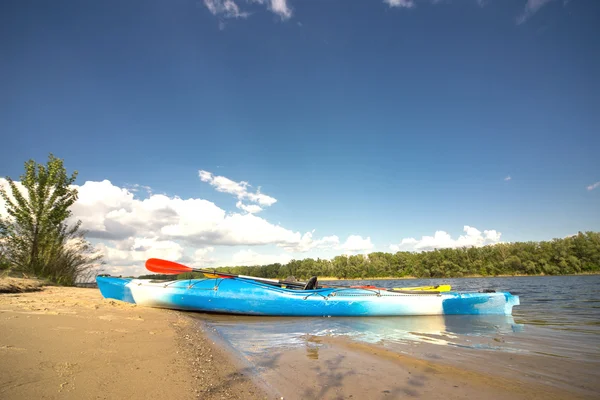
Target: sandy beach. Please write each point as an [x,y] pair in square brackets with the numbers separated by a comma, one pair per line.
[70,343]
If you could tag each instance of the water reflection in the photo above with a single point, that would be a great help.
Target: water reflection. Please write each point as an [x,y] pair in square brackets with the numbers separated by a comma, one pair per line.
[253,335]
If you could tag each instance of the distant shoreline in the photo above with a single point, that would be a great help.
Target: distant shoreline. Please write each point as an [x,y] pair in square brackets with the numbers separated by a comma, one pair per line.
[387,278]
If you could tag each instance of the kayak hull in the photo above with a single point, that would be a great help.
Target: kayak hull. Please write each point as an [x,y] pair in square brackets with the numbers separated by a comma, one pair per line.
[243,296]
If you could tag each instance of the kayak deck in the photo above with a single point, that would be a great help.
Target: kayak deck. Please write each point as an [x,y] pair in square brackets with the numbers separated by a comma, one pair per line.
[245,296]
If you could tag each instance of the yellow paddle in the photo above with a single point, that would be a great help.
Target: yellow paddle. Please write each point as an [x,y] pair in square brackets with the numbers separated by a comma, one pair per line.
[439,288]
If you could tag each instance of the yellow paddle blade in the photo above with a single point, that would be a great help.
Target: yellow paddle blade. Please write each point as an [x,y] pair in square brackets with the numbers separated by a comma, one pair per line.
[440,288]
[210,275]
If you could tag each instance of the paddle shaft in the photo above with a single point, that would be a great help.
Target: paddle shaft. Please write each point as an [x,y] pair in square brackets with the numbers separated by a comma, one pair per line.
[266,280]
[170,267]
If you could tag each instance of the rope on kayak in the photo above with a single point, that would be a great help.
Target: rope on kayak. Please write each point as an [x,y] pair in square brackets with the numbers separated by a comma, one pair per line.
[313,293]
[218,282]
[374,292]
[197,281]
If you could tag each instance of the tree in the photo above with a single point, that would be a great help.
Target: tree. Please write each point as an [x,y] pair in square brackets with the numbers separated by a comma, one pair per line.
[36,236]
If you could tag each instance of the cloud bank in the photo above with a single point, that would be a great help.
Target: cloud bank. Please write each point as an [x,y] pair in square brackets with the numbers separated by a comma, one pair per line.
[442,240]
[128,230]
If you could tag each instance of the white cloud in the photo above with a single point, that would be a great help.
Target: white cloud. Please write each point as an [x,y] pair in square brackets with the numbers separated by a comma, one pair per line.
[135,251]
[353,244]
[202,258]
[307,243]
[226,8]
[201,253]
[232,229]
[508,178]
[441,239]
[249,208]
[136,188]
[281,8]
[238,189]
[4,185]
[593,186]
[356,244]
[230,9]
[531,7]
[249,257]
[400,3]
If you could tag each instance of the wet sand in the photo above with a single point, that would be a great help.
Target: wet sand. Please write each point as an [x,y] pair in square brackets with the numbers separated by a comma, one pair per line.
[70,343]
[338,368]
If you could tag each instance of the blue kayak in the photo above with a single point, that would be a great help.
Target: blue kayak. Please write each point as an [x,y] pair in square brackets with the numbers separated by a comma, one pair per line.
[250,297]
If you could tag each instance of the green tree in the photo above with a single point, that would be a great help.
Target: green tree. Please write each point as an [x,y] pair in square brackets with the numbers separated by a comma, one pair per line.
[36,236]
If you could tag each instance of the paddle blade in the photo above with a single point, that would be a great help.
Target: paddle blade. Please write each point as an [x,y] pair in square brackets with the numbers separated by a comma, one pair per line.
[165,267]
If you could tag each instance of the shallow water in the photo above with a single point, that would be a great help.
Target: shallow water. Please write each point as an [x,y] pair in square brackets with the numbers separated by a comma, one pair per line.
[555,330]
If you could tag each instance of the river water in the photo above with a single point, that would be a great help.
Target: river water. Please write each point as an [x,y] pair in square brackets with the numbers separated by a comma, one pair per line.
[552,337]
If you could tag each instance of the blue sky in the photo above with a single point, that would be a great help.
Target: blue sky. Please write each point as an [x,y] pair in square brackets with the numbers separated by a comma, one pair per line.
[378,120]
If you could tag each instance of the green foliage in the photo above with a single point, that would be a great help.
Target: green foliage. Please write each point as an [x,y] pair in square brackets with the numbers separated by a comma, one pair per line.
[169,277]
[571,255]
[158,277]
[189,275]
[36,238]
[4,265]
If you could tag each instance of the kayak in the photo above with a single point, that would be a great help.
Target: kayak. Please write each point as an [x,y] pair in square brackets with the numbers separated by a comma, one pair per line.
[251,297]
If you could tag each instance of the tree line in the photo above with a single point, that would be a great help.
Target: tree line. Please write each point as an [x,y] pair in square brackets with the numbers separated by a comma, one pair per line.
[572,255]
